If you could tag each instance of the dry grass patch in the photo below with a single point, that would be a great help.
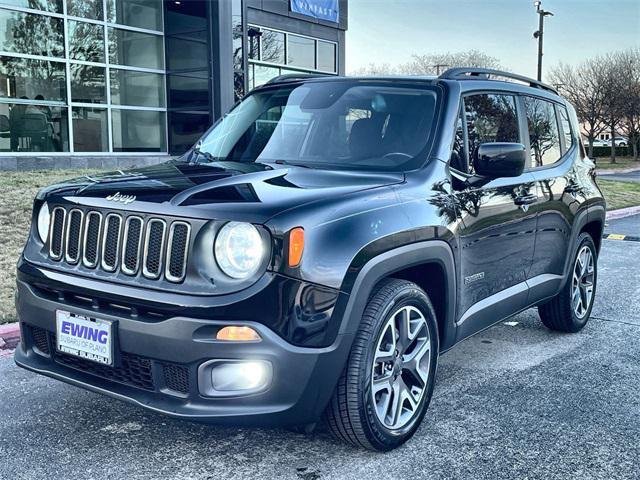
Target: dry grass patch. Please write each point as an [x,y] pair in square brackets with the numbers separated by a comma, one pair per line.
[17,190]
[620,194]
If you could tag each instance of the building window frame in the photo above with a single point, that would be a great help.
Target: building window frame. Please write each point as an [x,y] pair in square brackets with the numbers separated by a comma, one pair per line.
[108,67]
[286,65]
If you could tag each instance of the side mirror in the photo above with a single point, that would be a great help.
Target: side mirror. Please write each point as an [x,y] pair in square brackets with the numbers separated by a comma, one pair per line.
[494,160]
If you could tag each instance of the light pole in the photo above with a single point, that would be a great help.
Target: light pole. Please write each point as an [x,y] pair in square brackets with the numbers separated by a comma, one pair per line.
[439,66]
[539,33]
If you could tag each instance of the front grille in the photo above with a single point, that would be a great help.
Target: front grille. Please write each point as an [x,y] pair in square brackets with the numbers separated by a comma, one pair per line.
[132,370]
[111,242]
[176,378]
[57,230]
[177,254]
[132,242]
[73,237]
[115,242]
[154,248]
[91,239]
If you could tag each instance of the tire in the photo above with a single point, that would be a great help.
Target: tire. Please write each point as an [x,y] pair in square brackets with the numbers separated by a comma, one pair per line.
[562,313]
[356,414]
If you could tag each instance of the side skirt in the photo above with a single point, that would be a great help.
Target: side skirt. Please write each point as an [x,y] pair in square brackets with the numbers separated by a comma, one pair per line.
[507,303]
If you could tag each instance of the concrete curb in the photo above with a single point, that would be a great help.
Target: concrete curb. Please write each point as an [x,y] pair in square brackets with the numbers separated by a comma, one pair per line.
[9,338]
[615,171]
[623,212]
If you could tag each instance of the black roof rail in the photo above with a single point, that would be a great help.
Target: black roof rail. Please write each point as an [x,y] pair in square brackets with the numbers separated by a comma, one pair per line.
[467,73]
[291,77]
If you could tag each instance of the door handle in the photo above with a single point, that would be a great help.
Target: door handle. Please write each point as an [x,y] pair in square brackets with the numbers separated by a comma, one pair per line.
[527,199]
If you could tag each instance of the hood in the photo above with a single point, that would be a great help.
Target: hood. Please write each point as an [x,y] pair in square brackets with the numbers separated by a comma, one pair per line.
[251,192]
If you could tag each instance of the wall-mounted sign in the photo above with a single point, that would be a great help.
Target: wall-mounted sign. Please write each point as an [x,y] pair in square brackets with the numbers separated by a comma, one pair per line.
[320,9]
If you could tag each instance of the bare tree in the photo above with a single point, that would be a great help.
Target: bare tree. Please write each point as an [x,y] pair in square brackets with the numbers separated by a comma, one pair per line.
[375,70]
[612,73]
[630,103]
[584,87]
[431,64]
[434,64]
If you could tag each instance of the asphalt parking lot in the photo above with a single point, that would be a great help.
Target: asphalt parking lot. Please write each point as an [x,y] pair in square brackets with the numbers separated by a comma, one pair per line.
[516,401]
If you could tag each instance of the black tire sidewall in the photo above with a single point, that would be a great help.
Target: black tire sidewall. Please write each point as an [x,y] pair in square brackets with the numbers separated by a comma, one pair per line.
[583,239]
[385,437]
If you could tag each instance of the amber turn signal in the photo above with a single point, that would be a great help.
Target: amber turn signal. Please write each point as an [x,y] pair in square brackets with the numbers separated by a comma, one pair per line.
[238,334]
[296,246]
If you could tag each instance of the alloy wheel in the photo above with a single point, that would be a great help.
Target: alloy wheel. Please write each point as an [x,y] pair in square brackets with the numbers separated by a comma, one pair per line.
[401,367]
[582,282]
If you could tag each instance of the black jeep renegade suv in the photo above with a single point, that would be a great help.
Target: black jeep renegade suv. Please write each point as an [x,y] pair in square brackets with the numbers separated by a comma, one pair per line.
[316,251]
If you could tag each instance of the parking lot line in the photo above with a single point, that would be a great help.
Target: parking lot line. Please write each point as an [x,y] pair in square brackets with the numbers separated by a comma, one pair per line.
[617,236]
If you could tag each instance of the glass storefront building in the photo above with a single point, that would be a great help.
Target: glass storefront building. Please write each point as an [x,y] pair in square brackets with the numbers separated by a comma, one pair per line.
[124,82]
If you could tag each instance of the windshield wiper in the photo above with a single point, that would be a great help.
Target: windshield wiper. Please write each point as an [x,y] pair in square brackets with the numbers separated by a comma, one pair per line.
[207,155]
[284,162]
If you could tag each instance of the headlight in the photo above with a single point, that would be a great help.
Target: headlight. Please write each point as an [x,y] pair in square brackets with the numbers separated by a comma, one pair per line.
[239,250]
[44,220]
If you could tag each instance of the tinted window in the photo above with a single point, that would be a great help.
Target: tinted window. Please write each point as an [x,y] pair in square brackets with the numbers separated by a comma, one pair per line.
[490,118]
[32,79]
[135,49]
[142,131]
[136,13]
[34,128]
[261,74]
[137,88]
[272,44]
[301,52]
[326,56]
[543,132]
[88,84]
[31,33]
[85,8]
[49,5]
[86,41]
[90,130]
[566,128]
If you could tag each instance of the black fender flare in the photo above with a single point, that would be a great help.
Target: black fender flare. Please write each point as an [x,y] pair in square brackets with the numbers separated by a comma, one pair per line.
[394,260]
[588,215]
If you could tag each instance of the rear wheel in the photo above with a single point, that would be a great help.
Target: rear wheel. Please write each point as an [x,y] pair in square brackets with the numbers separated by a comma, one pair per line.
[569,311]
[386,386]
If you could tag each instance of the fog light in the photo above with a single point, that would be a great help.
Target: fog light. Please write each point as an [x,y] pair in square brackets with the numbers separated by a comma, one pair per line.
[238,334]
[241,376]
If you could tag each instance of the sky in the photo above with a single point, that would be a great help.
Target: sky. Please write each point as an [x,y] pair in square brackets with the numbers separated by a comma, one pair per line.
[390,31]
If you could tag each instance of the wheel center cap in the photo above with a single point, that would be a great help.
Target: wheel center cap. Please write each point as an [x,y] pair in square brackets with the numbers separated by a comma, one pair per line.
[397,367]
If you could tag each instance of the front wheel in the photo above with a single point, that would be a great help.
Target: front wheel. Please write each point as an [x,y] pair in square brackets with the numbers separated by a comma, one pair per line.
[386,386]
[569,311]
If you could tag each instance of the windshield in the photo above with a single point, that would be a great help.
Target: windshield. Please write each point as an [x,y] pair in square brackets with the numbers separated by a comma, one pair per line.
[330,124]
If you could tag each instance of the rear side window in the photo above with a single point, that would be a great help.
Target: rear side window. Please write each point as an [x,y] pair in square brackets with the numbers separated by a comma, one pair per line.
[543,132]
[490,118]
[566,128]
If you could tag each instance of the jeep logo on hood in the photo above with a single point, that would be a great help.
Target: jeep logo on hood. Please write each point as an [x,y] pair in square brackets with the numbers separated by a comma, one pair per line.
[118,197]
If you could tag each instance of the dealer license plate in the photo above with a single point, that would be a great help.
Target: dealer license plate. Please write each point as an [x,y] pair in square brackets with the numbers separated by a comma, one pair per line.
[84,337]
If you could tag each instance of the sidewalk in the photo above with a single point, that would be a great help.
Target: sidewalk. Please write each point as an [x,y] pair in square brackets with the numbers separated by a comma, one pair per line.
[9,338]
[613,171]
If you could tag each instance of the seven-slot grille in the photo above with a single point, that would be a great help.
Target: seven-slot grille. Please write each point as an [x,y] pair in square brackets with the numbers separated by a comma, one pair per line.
[115,242]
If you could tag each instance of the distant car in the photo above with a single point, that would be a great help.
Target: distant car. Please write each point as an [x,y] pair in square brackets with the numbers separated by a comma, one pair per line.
[619,142]
[601,143]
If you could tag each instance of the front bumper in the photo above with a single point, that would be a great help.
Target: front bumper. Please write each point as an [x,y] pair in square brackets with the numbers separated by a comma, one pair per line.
[159,360]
